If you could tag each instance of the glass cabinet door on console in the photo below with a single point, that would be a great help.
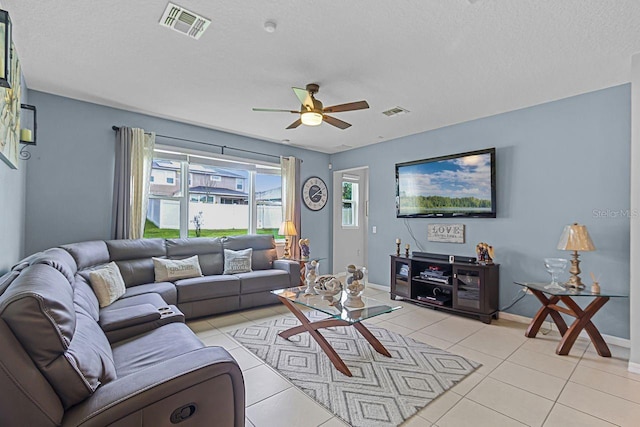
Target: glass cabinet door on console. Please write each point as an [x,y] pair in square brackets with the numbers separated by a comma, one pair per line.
[467,290]
[400,274]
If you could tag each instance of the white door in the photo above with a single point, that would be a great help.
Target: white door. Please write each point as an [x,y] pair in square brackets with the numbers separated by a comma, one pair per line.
[350,199]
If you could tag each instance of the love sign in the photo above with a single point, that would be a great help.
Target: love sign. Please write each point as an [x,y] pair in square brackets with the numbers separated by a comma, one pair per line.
[445,233]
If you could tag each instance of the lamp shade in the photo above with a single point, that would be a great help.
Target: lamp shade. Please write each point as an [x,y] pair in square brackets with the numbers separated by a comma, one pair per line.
[287,229]
[575,237]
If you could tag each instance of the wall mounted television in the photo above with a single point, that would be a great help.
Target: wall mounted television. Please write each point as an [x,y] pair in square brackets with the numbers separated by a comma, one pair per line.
[459,185]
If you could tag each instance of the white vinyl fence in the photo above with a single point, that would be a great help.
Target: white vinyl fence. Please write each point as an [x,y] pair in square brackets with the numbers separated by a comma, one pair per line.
[166,214]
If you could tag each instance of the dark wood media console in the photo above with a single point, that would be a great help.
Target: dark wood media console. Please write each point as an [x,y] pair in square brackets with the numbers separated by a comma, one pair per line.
[465,288]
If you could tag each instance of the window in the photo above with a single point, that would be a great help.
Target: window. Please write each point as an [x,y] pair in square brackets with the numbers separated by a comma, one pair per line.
[170,180]
[221,197]
[349,204]
[268,202]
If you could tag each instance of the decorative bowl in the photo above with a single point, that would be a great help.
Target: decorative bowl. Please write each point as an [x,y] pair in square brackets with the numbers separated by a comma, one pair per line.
[327,285]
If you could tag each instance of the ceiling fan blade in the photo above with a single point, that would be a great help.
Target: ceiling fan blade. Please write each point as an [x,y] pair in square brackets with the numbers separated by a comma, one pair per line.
[295,124]
[360,105]
[336,122]
[275,111]
[304,96]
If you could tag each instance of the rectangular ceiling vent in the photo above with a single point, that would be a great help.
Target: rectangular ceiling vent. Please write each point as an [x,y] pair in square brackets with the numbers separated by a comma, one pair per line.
[395,111]
[183,21]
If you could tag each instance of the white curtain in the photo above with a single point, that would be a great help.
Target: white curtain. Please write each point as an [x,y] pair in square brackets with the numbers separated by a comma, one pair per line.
[290,169]
[141,158]
[134,154]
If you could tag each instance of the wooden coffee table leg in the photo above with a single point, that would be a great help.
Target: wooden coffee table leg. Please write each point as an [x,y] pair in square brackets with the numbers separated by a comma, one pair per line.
[375,343]
[541,315]
[311,328]
[583,321]
[327,323]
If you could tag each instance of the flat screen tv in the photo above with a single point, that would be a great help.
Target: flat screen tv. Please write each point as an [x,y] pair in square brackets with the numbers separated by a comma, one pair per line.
[459,185]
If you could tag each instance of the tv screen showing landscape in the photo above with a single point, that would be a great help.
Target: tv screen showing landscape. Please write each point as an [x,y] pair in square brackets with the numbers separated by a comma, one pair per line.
[451,186]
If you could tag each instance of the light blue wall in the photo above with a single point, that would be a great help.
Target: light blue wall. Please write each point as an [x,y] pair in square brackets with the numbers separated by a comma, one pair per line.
[557,163]
[70,176]
[12,207]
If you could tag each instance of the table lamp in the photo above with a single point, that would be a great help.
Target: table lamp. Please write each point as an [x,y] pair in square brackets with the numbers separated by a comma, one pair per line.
[575,238]
[287,229]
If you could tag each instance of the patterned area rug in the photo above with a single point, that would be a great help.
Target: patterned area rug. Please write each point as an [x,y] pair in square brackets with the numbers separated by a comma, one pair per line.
[382,392]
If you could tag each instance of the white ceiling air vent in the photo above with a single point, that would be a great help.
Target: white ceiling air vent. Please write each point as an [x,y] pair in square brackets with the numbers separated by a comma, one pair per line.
[184,21]
[395,111]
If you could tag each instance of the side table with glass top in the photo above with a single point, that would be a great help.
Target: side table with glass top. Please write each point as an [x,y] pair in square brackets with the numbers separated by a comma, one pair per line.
[551,308]
[293,298]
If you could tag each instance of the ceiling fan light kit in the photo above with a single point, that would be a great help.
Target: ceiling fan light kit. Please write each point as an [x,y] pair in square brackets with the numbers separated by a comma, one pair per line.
[311,118]
[312,112]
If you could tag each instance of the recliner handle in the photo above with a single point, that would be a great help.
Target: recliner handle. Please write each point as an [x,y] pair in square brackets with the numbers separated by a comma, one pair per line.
[183,413]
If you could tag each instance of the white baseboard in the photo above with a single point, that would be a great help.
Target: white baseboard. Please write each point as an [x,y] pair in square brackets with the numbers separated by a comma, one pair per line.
[609,339]
[634,368]
[380,287]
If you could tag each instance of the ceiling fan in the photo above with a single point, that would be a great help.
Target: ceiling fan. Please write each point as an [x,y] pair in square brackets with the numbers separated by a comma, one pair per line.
[311,111]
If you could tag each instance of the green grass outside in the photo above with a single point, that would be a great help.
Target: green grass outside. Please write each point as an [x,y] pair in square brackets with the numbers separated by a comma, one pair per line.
[151,231]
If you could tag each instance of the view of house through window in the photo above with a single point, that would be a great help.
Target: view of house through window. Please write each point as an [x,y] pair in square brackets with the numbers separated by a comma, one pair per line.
[349,204]
[215,200]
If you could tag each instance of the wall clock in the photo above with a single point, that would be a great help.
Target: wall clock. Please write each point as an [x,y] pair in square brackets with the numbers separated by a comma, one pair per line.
[314,193]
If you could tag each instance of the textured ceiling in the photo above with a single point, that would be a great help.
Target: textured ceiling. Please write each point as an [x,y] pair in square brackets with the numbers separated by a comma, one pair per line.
[446,61]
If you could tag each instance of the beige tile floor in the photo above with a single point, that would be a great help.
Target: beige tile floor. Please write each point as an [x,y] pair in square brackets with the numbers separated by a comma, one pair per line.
[522,381]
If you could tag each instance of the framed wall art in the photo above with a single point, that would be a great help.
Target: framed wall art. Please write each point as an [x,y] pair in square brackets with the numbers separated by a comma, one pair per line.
[10,115]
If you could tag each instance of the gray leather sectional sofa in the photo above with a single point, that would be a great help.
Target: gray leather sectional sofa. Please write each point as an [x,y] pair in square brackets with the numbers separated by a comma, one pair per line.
[65,361]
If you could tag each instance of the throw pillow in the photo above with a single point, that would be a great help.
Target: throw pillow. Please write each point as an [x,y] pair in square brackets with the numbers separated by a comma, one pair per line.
[107,284]
[237,261]
[167,270]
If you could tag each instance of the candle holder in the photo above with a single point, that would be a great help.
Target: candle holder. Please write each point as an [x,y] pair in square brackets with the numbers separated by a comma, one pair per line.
[406,251]
[397,248]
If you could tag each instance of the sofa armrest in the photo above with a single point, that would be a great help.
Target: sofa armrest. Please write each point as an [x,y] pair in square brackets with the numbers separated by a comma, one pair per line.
[209,379]
[124,317]
[292,267]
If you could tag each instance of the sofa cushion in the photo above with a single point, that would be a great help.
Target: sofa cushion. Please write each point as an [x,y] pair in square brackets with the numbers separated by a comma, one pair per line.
[148,298]
[237,261]
[208,249]
[263,245]
[200,288]
[136,271]
[107,283]
[91,354]
[68,347]
[88,254]
[166,290]
[84,299]
[169,270]
[59,259]
[127,249]
[263,280]
[134,258]
[153,347]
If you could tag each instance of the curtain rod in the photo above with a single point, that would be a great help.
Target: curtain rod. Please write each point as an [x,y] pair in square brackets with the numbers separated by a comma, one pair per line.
[221,147]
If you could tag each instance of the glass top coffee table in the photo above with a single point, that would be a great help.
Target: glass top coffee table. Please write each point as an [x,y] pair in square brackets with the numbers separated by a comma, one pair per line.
[294,298]
[583,317]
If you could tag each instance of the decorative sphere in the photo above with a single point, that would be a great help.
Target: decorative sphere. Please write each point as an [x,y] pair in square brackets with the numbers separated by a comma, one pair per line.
[351,268]
[358,275]
[349,280]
